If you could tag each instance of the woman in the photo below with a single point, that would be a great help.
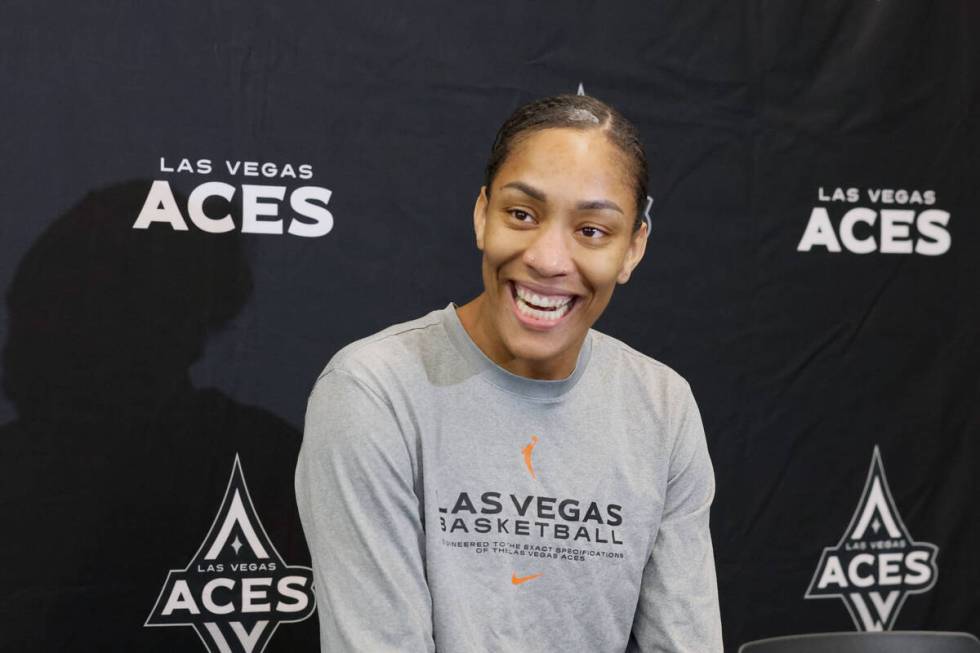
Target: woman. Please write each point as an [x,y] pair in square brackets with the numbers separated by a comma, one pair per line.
[499,476]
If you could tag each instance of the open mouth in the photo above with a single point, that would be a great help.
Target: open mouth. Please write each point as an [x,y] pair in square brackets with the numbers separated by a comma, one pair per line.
[538,307]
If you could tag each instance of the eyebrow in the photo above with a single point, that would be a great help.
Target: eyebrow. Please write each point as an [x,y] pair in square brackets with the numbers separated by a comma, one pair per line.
[585,205]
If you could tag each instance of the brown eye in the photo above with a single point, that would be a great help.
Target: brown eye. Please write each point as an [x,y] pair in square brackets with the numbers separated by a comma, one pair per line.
[592,232]
[521,216]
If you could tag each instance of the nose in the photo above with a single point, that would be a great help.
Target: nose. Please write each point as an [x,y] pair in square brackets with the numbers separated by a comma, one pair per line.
[549,253]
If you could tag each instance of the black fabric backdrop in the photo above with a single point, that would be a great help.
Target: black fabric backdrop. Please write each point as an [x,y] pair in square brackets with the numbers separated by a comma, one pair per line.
[138,362]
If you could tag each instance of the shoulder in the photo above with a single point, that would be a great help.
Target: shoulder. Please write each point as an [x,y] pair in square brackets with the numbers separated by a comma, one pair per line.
[397,350]
[655,379]
[665,394]
[360,396]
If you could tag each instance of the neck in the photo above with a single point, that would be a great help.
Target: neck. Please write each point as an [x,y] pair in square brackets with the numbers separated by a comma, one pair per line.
[476,320]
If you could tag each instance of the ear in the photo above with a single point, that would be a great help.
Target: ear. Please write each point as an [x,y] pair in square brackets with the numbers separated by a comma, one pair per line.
[637,247]
[480,216]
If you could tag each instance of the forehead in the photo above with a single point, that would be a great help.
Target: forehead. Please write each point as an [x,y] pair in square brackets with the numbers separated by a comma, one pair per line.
[568,157]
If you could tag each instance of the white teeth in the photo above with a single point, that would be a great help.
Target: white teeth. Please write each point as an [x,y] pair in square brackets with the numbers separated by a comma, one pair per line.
[551,316]
[545,301]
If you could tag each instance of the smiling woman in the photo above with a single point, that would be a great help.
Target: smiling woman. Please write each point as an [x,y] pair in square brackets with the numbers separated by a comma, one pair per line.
[427,443]
[555,242]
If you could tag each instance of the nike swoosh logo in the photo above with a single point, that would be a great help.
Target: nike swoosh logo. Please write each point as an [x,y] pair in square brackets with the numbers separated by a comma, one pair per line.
[517,580]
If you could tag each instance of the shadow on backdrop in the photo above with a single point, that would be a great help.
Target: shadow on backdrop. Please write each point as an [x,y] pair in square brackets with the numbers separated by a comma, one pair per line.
[116,466]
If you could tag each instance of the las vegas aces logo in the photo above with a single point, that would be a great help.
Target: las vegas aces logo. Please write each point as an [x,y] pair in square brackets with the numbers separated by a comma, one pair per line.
[237,589]
[876,564]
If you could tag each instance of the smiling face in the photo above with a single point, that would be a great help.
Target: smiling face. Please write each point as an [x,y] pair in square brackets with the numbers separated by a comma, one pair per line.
[557,236]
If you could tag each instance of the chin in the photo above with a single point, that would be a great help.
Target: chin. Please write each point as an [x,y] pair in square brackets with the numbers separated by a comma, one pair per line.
[537,349]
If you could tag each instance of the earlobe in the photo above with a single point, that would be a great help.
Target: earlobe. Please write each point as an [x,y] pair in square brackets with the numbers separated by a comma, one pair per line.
[638,246]
[480,216]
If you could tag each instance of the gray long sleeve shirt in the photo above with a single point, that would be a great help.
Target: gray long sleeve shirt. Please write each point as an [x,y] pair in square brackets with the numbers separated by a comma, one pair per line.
[450,505]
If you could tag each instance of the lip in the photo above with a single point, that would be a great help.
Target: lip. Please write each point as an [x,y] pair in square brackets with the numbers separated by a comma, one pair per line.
[534,323]
[541,290]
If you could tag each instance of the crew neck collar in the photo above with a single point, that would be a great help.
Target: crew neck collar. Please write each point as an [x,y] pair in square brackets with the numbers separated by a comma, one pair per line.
[496,375]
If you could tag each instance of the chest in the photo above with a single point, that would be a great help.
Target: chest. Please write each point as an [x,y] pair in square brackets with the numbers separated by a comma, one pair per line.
[543,477]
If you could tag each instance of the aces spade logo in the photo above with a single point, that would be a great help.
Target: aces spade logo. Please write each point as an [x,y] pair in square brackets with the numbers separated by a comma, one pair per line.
[237,589]
[876,564]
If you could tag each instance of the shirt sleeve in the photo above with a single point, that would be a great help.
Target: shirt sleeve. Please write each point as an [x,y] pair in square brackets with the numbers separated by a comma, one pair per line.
[678,608]
[363,523]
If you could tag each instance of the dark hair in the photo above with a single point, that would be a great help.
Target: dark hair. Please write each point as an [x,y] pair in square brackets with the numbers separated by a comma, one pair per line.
[577,112]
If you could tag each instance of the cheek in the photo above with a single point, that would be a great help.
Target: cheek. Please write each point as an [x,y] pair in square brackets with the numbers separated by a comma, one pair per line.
[600,270]
[501,246]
